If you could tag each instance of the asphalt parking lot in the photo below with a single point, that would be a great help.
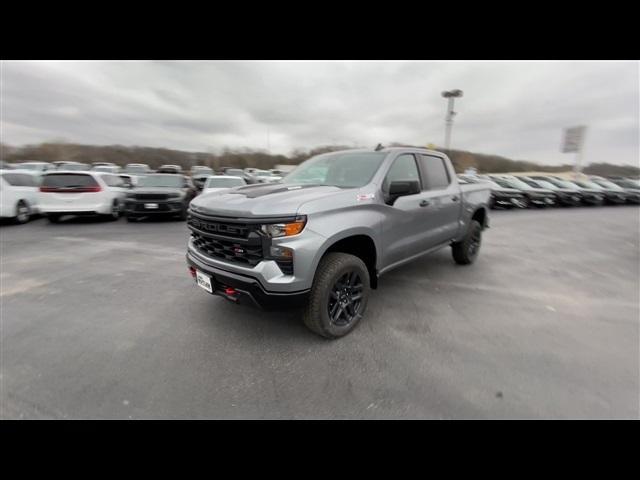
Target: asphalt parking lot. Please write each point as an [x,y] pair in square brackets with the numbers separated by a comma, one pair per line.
[102,320]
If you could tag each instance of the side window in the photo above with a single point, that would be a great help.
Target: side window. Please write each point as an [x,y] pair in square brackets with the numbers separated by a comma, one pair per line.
[435,172]
[112,181]
[404,168]
[19,179]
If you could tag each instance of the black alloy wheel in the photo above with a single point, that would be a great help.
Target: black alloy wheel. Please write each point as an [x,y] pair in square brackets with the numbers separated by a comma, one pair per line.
[345,299]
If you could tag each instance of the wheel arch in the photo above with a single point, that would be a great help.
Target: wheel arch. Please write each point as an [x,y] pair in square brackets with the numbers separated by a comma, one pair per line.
[359,243]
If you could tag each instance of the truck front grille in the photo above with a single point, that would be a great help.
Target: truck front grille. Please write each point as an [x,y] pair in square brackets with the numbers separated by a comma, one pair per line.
[233,240]
[249,254]
[151,196]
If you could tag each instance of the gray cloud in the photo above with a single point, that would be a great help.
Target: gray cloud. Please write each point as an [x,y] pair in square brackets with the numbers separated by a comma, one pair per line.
[514,109]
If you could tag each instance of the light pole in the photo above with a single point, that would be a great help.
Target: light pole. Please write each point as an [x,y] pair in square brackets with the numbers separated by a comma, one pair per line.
[448,120]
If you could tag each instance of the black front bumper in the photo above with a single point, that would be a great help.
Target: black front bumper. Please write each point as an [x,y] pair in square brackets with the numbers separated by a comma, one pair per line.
[247,290]
[165,207]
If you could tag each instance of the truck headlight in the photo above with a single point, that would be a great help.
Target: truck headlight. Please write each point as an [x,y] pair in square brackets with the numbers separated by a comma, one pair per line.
[275,230]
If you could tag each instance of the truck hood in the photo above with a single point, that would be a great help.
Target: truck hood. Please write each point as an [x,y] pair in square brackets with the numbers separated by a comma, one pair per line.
[266,200]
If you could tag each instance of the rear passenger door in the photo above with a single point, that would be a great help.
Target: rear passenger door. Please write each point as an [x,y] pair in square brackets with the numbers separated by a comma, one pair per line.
[443,195]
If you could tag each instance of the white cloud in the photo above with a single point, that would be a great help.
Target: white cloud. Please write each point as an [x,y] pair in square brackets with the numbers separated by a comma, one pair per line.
[514,109]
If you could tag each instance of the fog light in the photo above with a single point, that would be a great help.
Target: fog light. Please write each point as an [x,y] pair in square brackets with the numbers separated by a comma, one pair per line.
[281,252]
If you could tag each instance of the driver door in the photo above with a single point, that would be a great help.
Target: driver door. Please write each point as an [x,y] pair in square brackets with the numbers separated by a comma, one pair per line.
[406,228]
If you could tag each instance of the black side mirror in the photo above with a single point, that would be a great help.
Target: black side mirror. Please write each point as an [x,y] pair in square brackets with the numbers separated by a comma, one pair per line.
[402,188]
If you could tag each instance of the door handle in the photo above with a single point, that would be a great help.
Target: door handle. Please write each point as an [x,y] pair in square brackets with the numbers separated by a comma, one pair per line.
[455,198]
[424,203]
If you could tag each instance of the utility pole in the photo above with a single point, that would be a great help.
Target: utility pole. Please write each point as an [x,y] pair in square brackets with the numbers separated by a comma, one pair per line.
[450,95]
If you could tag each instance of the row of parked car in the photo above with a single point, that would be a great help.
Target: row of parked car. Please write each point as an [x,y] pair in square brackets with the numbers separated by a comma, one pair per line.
[511,191]
[70,188]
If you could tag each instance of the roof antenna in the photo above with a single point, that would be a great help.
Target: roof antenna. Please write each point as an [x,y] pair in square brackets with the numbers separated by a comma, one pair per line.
[379,147]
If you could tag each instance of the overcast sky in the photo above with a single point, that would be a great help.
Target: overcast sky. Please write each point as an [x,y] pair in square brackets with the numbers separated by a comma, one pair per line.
[514,109]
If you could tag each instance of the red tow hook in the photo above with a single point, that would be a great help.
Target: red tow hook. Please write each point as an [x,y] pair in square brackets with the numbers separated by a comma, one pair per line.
[230,291]
[193,272]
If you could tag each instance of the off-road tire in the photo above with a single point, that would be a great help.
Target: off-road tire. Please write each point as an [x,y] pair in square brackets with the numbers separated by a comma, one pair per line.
[332,267]
[464,252]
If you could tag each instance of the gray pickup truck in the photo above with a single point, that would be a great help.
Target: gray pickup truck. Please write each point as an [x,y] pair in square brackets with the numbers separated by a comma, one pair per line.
[322,236]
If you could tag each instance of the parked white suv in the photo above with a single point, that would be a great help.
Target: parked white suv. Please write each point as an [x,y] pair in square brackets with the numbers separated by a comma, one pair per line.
[18,194]
[81,193]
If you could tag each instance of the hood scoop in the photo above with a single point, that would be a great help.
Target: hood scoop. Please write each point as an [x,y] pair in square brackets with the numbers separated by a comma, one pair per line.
[255,191]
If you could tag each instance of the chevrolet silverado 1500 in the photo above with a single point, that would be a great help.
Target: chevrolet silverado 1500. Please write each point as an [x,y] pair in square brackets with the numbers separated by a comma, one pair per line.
[322,236]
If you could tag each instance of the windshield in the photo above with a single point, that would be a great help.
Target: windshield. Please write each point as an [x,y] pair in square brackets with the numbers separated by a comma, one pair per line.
[628,183]
[587,184]
[545,184]
[73,166]
[514,183]
[223,182]
[344,170]
[31,166]
[501,182]
[136,169]
[234,171]
[169,181]
[608,184]
[563,184]
[263,174]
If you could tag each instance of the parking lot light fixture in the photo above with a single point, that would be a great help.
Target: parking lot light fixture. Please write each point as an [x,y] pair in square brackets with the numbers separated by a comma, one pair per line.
[450,95]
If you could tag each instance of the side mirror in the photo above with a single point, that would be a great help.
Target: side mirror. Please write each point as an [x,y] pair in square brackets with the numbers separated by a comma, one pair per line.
[402,188]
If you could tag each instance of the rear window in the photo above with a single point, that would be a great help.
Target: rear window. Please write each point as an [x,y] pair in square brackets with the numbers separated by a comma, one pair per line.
[20,179]
[224,182]
[68,180]
[169,181]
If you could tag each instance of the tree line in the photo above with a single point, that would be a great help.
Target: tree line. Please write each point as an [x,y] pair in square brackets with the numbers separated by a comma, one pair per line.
[245,157]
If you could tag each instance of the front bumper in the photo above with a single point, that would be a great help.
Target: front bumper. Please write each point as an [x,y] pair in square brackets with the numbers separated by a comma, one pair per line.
[592,199]
[164,207]
[506,202]
[615,198]
[542,201]
[244,289]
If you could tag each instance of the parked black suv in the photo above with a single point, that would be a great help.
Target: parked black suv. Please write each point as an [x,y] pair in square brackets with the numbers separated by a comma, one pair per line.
[160,194]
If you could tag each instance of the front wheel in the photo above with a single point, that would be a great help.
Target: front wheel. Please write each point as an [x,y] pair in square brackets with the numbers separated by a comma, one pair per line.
[339,295]
[466,251]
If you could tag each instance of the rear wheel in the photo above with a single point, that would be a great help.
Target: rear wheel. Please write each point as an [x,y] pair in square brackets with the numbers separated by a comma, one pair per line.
[23,212]
[339,295]
[114,214]
[466,251]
